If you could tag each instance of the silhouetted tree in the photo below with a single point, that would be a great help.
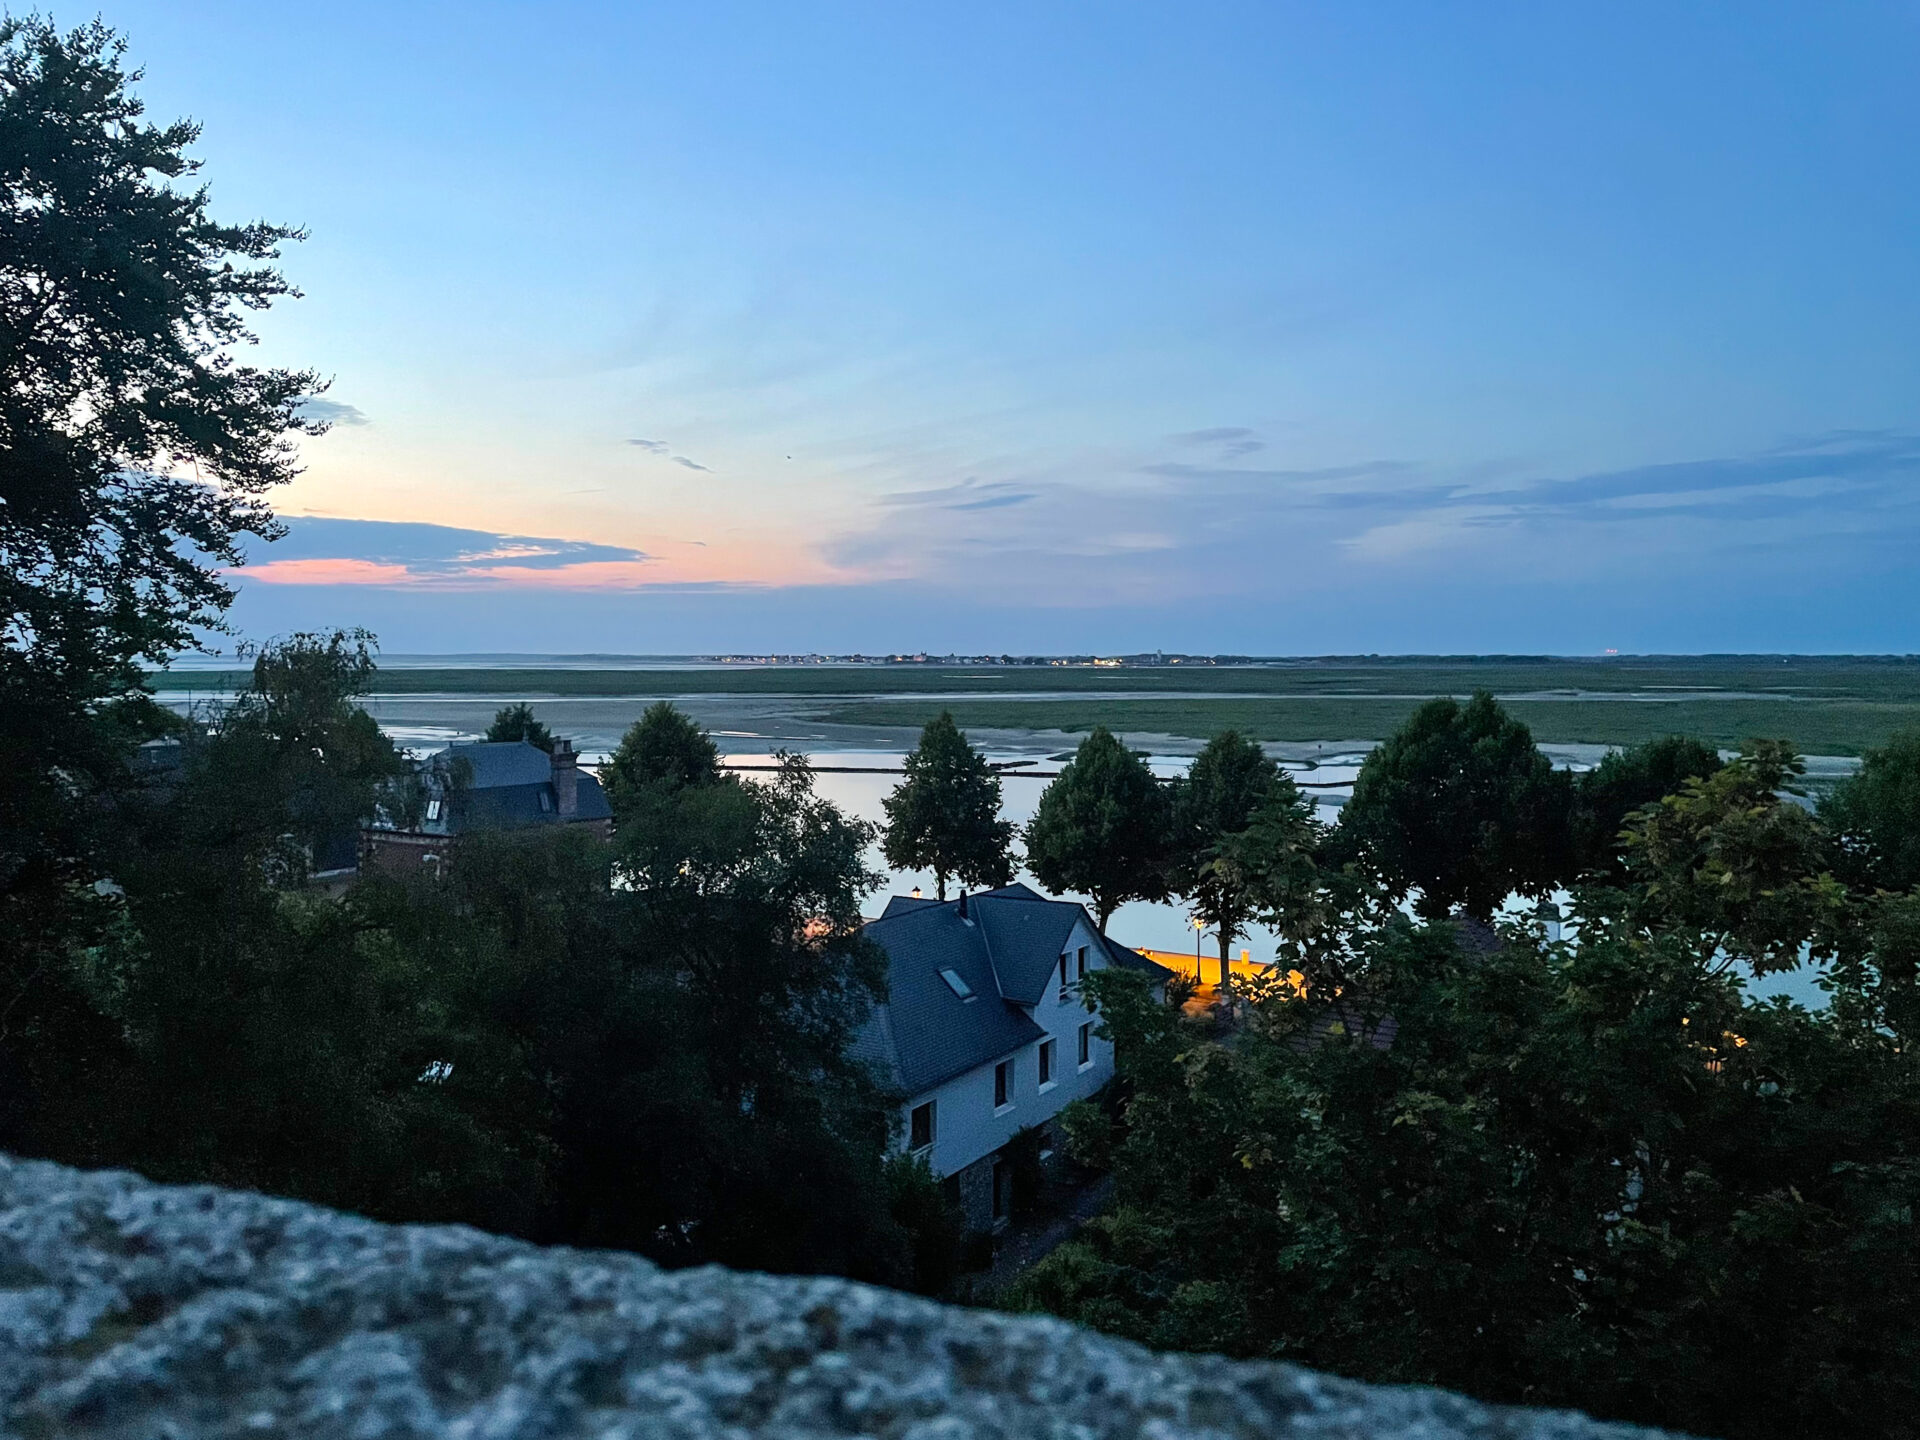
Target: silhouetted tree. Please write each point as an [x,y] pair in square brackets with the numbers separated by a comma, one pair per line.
[945,816]
[663,749]
[1230,781]
[135,449]
[1104,828]
[1876,813]
[518,722]
[1459,803]
[1623,782]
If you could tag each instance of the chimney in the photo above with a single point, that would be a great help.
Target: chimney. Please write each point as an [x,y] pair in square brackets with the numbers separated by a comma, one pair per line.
[963,906]
[566,779]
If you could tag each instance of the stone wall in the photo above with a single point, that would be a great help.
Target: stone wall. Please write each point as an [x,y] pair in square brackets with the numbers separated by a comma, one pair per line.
[130,1311]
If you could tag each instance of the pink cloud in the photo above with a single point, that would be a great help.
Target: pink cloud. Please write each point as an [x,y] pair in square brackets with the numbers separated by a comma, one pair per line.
[332,570]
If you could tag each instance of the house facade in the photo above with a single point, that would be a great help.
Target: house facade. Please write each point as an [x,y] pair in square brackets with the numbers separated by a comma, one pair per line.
[488,785]
[985,1032]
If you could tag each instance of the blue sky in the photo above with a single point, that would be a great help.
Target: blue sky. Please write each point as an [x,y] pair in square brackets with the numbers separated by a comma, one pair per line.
[1259,327]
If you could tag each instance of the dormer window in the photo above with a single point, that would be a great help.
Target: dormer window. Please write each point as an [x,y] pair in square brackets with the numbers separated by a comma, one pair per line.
[956,984]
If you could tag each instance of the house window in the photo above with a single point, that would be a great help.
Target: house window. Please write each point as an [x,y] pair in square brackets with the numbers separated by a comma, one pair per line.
[956,984]
[1063,973]
[1082,962]
[920,1128]
[1046,1062]
[546,801]
[433,809]
[1002,1085]
[1086,1043]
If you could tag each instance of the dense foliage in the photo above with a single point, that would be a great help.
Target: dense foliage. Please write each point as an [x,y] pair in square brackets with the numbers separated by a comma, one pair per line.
[664,749]
[1878,809]
[1103,829]
[518,722]
[135,449]
[1589,1171]
[1623,782]
[1461,806]
[945,816]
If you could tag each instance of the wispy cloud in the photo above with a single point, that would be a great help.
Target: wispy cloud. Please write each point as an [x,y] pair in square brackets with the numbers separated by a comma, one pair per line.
[969,494]
[665,451]
[1190,521]
[320,550]
[1232,442]
[332,412]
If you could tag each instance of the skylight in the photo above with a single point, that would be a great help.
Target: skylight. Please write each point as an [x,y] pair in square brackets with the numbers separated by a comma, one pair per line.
[956,984]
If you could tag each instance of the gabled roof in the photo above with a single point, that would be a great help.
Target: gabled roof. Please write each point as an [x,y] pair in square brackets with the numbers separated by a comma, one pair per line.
[1005,950]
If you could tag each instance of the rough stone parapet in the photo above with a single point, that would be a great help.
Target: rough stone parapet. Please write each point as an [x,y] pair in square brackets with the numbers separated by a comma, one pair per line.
[144,1312]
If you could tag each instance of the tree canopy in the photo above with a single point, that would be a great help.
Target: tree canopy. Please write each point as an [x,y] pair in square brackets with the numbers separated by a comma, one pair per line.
[663,749]
[1876,811]
[945,816]
[518,722]
[1459,804]
[1623,782]
[1230,781]
[1591,1171]
[1103,828]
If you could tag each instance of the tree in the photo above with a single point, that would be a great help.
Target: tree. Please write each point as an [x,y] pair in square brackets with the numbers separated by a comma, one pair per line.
[518,722]
[1103,828]
[1623,782]
[1230,781]
[1592,1173]
[134,450]
[662,749]
[1876,811]
[1460,804]
[134,454]
[1742,874]
[945,816]
[710,1095]
[273,1038]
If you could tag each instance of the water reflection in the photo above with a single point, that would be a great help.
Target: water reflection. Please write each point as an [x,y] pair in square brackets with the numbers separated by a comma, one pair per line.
[1155,927]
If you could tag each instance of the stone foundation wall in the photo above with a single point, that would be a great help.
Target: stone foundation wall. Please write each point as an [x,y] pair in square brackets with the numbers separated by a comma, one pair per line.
[130,1311]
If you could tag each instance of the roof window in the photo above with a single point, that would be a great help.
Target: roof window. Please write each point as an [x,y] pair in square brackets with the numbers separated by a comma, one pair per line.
[956,984]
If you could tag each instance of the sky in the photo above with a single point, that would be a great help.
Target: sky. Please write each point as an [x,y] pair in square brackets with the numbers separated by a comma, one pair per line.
[1260,328]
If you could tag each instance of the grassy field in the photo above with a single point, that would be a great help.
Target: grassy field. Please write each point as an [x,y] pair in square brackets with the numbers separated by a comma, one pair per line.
[1839,678]
[1820,727]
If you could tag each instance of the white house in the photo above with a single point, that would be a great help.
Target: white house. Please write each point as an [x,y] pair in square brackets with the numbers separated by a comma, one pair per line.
[985,1031]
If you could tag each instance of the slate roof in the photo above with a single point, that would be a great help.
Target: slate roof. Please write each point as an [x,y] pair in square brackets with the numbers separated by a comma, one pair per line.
[495,763]
[1005,950]
[508,785]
